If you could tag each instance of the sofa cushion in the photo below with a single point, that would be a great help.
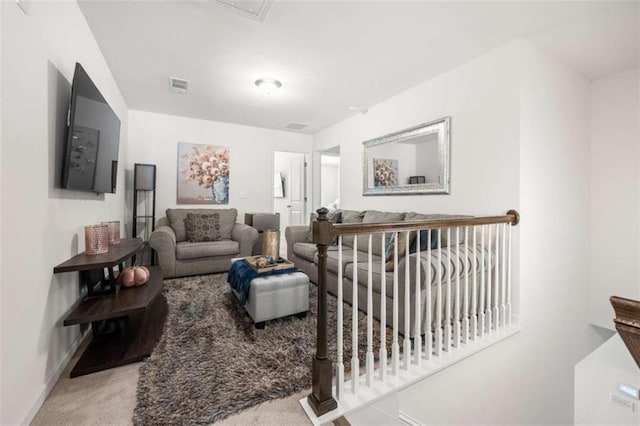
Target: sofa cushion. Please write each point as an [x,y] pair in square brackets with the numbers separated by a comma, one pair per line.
[186,250]
[177,217]
[332,259]
[374,216]
[350,216]
[444,240]
[376,275]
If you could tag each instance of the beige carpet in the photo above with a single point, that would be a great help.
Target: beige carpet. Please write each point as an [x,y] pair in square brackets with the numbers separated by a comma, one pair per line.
[109,397]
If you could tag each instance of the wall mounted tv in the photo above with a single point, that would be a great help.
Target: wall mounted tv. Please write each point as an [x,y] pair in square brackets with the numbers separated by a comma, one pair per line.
[90,161]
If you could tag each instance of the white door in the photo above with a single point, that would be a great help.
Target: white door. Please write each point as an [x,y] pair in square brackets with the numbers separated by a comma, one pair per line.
[297,196]
[292,206]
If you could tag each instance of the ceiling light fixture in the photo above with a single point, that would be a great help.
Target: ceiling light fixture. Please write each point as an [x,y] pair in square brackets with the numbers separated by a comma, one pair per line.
[268,85]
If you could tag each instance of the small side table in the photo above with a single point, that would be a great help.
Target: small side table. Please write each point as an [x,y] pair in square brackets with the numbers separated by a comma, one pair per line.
[126,323]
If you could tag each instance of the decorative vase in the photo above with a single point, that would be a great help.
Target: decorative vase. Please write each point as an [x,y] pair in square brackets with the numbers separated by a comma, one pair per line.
[271,244]
[114,231]
[96,239]
[220,189]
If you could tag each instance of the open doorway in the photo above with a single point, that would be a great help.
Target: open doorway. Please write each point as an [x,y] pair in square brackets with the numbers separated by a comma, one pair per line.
[289,190]
[330,178]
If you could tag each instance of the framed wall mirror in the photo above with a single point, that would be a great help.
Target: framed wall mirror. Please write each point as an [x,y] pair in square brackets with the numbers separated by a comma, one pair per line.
[411,161]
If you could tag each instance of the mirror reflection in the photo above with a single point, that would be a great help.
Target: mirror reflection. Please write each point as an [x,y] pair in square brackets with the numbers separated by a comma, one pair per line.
[412,161]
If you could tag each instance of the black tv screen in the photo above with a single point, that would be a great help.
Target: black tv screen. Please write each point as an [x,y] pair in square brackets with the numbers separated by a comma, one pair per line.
[93,138]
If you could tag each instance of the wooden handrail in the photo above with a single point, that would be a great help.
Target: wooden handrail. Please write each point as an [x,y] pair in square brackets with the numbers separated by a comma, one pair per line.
[512,217]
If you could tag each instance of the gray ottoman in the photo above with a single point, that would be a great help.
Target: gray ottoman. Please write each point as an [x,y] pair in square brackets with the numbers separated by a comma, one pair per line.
[277,296]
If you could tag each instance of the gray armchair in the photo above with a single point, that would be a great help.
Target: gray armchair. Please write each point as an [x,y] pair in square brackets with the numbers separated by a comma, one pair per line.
[179,256]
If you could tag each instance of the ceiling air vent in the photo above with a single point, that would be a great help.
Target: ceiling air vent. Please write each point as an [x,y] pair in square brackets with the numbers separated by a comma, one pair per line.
[178,85]
[296,126]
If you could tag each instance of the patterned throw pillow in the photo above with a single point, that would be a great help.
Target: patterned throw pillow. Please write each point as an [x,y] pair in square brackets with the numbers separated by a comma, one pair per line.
[202,227]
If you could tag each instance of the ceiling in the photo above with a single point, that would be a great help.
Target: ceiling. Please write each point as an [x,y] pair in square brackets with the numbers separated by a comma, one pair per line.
[332,55]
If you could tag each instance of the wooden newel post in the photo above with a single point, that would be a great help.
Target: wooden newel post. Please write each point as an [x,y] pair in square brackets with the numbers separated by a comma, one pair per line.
[321,400]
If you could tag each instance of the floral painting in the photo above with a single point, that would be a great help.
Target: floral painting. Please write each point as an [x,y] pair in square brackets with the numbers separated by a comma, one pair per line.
[203,174]
[385,172]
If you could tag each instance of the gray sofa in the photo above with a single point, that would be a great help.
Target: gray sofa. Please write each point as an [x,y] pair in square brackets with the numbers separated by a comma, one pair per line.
[303,253]
[200,241]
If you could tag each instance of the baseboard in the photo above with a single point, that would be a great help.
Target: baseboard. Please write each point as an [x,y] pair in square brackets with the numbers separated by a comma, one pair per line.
[53,377]
[407,419]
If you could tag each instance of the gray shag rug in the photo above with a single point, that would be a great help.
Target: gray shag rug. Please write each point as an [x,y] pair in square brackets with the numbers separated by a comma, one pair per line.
[211,362]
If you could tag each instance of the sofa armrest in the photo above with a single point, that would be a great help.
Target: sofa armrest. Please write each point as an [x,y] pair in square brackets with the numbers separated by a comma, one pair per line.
[295,234]
[163,241]
[246,236]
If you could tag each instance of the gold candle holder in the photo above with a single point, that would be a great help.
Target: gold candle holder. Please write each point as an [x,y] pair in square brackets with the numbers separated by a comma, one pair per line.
[271,244]
[96,239]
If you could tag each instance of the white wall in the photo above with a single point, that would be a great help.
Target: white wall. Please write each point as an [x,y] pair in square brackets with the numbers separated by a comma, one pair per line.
[520,139]
[42,226]
[482,100]
[615,193]
[1,203]
[154,139]
[330,189]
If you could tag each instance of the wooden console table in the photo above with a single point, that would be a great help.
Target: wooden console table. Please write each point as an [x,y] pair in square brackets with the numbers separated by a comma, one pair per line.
[126,323]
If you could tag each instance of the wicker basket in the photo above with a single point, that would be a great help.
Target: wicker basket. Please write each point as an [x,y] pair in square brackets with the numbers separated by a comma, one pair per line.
[627,322]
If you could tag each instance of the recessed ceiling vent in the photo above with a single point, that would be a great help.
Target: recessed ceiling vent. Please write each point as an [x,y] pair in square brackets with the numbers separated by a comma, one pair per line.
[178,85]
[253,9]
[296,126]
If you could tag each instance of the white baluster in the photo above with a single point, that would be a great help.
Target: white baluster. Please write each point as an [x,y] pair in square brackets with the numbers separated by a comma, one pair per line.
[496,299]
[481,319]
[355,362]
[395,346]
[458,297]
[417,338]
[406,357]
[474,288]
[509,280]
[489,283]
[438,345]
[503,281]
[383,317]
[465,305]
[447,317]
[369,359]
[340,333]
[428,334]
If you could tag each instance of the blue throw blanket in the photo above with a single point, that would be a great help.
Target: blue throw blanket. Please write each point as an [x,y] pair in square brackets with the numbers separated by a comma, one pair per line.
[241,274]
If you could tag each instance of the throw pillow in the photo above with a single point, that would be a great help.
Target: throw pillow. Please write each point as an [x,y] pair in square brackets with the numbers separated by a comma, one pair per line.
[390,249]
[373,216]
[177,217]
[424,241]
[202,227]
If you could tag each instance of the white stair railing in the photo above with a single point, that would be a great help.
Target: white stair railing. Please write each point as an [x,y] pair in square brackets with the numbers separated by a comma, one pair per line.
[471,290]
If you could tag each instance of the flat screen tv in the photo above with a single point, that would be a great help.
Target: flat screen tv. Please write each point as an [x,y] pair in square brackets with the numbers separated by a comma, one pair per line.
[90,161]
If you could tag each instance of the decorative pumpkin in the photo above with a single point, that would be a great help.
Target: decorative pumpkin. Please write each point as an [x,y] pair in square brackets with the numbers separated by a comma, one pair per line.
[133,276]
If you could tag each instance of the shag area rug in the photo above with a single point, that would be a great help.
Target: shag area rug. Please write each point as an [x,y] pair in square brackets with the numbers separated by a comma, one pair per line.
[211,362]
